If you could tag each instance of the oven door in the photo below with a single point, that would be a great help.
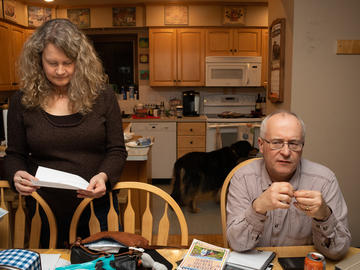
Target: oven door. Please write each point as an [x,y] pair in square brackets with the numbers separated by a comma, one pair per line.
[226,74]
[219,135]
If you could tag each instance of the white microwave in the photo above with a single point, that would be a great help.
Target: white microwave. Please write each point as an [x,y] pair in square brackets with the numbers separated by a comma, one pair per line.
[233,71]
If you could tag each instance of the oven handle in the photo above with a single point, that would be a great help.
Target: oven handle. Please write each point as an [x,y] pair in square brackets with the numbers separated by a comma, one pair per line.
[233,125]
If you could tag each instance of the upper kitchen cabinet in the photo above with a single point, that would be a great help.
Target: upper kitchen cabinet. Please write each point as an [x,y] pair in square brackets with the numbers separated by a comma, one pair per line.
[5,63]
[177,57]
[13,38]
[233,42]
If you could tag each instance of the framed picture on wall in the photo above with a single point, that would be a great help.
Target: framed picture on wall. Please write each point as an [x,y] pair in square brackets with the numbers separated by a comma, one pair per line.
[144,75]
[176,15]
[276,61]
[38,15]
[144,58]
[144,43]
[10,10]
[234,15]
[124,16]
[79,16]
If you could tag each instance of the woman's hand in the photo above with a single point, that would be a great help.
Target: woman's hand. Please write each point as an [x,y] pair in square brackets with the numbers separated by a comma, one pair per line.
[23,184]
[96,188]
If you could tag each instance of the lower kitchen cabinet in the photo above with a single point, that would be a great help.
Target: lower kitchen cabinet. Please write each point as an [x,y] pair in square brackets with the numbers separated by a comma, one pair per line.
[191,137]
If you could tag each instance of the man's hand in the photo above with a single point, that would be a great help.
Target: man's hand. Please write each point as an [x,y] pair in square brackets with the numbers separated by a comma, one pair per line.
[312,203]
[96,188]
[278,195]
[23,184]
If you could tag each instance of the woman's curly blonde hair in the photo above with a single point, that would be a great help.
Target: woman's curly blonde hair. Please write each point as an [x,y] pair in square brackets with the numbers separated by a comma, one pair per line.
[88,79]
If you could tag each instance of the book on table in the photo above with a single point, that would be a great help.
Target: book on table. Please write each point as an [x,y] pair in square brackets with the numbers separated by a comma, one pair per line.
[204,256]
[249,260]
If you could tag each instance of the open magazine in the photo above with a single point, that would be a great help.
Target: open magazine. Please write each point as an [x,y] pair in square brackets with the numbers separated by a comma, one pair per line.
[204,256]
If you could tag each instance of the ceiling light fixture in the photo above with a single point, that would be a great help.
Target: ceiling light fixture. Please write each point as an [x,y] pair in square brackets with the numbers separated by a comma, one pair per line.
[49,0]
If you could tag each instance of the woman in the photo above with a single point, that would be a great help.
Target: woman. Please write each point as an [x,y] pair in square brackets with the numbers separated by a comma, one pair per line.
[64,118]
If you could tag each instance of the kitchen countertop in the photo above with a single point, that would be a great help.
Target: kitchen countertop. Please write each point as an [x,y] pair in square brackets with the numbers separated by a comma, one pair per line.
[201,118]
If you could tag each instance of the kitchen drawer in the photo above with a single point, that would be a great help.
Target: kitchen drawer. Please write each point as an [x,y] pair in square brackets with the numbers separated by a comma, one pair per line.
[184,151]
[191,128]
[191,141]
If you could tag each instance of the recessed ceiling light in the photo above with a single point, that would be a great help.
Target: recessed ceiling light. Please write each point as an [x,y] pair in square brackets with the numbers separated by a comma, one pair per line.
[49,0]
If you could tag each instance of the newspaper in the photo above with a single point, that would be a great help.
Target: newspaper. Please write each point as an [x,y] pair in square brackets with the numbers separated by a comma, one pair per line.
[204,256]
[3,212]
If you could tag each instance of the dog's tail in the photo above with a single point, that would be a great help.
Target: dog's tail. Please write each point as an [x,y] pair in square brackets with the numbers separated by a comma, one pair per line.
[178,186]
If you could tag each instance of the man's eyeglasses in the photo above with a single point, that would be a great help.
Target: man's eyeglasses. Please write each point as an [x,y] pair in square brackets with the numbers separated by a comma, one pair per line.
[279,144]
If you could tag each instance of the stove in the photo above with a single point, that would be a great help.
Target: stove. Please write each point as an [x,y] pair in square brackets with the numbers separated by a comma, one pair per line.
[230,118]
[231,108]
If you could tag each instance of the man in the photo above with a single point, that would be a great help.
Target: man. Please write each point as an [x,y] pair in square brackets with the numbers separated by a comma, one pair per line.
[284,200]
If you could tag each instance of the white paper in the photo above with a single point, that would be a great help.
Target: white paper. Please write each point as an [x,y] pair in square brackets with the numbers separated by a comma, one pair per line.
[3,212]
[59,179]
[49,261]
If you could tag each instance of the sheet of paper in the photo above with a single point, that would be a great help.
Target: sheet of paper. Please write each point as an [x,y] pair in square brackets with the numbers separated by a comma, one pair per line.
[59,179]
[49,261]
[3,212]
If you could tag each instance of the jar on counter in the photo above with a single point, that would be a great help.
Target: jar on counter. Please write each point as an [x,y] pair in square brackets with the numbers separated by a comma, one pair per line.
[179,111]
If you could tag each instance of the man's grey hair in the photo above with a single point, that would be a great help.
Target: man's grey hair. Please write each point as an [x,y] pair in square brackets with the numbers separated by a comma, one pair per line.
[283,112]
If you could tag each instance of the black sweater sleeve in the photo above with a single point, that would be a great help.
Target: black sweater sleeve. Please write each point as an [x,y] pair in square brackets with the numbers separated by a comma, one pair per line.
[17,150]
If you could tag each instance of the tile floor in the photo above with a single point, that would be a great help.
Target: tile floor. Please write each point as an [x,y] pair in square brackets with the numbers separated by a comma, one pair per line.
[207,221]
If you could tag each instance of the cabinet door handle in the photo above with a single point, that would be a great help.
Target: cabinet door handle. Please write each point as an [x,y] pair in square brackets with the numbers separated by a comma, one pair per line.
[14,83]
[235,50]
[191,142]
[174,80]
[231,50]
[191,129]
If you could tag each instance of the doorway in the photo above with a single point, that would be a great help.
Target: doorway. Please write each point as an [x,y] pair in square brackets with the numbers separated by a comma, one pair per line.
[118,52]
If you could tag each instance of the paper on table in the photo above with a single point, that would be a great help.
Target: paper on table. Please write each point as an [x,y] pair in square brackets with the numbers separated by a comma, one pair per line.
[51,261]
[59,179]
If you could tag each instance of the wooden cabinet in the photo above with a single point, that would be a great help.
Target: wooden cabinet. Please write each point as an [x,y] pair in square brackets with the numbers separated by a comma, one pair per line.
[177,57]
[12,39]
[265,55]
[191,137]
[5,63]
[233,42]
[18,39]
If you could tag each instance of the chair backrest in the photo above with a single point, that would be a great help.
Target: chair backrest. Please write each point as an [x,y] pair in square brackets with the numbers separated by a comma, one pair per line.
[129,215]
[15,237]
[223,197]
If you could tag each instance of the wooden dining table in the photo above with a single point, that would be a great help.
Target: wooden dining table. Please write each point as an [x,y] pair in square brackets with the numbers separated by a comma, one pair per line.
[174,255]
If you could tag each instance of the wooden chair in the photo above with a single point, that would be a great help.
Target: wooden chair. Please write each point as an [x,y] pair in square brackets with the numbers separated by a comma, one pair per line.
[223,197]
[18,232]
[129,215]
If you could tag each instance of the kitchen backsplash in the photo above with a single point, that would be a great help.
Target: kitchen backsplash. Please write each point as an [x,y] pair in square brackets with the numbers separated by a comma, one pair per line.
[152,95]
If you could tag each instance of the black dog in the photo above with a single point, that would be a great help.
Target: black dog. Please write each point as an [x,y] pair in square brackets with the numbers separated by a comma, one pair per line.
[201,172]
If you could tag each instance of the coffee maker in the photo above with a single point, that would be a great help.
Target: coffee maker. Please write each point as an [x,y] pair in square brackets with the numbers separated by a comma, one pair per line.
[191,103]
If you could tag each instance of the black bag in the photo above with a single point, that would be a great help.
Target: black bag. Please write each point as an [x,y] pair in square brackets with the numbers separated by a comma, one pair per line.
[81,254]
[127,258]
